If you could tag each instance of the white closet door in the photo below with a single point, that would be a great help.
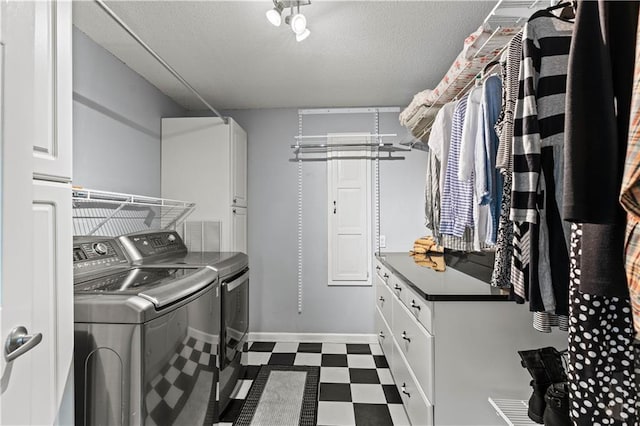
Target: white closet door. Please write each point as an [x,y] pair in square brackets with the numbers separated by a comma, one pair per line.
[349,229]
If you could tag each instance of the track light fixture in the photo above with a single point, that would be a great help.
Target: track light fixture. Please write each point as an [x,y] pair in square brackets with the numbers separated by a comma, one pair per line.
[296,20]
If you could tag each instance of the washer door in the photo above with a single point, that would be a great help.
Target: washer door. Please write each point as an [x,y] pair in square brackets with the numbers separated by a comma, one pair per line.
[235,314]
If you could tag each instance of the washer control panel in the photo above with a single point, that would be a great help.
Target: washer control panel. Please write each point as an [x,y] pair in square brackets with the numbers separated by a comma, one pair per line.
[91,254]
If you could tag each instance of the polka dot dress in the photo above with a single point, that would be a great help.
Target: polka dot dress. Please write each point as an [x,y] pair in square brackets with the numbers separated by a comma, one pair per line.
[602,382]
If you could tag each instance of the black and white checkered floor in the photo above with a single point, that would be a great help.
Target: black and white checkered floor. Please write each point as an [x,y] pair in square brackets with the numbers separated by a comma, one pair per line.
[356,387]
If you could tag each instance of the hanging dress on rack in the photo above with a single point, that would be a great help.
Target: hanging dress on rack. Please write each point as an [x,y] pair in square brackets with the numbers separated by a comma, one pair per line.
[540,238]
[601,354]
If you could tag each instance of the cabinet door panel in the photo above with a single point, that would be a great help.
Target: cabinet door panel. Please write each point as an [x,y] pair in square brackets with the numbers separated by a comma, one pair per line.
[53,89]
[239,165]
[239,218]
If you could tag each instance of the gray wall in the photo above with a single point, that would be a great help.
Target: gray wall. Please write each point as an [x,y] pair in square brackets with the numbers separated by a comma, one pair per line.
[116,122]
[272,225]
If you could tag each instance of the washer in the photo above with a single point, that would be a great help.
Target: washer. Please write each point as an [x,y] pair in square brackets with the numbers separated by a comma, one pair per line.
[146,339]
[166,248]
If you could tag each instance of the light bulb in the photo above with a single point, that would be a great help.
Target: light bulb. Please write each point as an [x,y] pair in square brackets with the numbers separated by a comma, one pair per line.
[275,16]
[298,23]
[305,34]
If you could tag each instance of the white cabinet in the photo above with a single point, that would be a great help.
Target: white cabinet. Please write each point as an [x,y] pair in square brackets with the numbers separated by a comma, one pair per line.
[37,279]
[204,161]
[450,354]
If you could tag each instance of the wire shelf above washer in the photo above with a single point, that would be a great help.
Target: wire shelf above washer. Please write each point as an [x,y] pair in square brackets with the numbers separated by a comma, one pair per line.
[112,214]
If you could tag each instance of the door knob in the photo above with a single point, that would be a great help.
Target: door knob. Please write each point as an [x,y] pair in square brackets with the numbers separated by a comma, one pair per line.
[19,342]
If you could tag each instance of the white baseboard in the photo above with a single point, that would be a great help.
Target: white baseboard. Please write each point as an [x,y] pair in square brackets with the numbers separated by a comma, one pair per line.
[313,337]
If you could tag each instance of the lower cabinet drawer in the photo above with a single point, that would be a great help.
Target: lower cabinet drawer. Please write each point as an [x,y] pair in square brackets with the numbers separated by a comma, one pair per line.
[418,306]
[384,337]
[417,346]
[419,409]
[383,299]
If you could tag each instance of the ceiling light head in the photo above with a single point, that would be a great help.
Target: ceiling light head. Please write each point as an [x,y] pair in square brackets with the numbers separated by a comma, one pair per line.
[298,23]
[305,34]
[275,15]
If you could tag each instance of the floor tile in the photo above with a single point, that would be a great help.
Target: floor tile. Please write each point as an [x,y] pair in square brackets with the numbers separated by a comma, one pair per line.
[242,389]
[367,394]
[286,347]
[391,394]
[334,348]
[334,375]
[231,413]
[372,415]
[360,361]
[308,359]
[258,358]
[384,374]
[398,415]
[381,361]
[310,347]
[363,375]
[335,413]
[357,348]
[282,359]
[334,360]
[340,392]
[250,372]
[262,346]
[376,349]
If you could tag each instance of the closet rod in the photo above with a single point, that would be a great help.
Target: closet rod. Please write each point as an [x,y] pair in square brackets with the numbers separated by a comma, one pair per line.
[164,63]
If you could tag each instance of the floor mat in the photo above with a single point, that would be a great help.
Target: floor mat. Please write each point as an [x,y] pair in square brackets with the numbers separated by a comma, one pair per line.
[283,395]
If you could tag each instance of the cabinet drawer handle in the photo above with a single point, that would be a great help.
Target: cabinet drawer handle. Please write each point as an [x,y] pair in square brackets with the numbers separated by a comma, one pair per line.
[385,276]
[413,305]
[381,299]
[404,390]
[382,335]
[404,336]
[397,287]
[234,211]
[377,268]
[235,201]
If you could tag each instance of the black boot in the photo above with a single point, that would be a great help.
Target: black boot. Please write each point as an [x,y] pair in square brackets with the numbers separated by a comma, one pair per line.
[545,367]
[557,411]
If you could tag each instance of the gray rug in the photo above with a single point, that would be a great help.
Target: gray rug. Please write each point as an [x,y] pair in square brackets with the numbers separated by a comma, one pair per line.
[282,395]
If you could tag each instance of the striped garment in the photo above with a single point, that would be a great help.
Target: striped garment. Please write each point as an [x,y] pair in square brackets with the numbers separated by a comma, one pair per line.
[630,197]
[504,159]
[540,264]
[539,120]
[457,196]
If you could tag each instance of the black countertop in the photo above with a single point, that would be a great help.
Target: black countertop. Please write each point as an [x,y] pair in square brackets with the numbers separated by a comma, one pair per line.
[450,285]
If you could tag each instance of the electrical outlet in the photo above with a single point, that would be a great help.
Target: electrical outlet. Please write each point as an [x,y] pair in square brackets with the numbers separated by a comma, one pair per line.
[383,241]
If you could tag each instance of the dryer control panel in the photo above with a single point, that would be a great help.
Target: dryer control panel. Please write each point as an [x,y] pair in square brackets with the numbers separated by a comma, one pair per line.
[153,244]
[94,254]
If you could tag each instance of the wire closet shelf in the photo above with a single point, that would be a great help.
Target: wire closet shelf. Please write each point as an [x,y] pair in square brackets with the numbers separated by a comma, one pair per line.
[111,214]
[506,15]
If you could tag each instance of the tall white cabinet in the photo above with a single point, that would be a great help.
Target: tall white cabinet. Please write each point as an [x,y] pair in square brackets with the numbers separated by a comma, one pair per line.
[204,161]
[37,278]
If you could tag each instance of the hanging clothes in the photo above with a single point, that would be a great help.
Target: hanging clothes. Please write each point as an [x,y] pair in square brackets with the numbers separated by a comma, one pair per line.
[501,275]
[457,197]
[492,186]
[630,197]
[439,142]
[539,234]
[602,390]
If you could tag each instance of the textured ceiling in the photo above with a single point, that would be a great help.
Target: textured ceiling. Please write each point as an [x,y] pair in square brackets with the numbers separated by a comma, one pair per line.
[360,53]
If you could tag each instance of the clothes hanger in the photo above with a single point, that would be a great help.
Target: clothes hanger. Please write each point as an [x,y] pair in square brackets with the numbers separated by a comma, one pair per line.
[568,9]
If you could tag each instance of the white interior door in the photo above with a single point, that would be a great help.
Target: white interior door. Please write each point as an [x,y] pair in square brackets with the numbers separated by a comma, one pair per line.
[35,242]
[349,228]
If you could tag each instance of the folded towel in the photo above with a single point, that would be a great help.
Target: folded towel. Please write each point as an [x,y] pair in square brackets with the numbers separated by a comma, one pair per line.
[431,260]
[420,99]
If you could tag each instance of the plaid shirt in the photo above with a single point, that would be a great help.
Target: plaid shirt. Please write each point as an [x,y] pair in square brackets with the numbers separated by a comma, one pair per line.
[630,197]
